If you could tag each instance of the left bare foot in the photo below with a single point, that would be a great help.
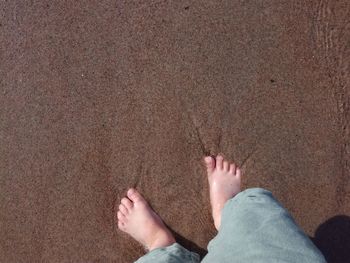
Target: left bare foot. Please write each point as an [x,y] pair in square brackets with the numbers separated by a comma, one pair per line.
[136,218]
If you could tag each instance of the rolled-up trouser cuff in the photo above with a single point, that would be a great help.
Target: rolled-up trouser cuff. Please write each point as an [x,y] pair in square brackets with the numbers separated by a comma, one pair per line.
[255,227]
[174,253]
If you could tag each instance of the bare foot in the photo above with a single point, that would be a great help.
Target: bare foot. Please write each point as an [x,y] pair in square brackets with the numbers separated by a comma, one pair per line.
[136,218]
[224,183]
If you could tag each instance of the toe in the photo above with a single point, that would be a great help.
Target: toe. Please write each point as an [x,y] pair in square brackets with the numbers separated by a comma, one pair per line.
[219,160]
[121,217]
[123,209]
[238,173]
[121,225]
[210,163]
[232,168]
[225,166]
[127,203]
[135,196]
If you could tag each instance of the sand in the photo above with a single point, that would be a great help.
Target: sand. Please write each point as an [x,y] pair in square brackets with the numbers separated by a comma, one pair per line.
[99,96]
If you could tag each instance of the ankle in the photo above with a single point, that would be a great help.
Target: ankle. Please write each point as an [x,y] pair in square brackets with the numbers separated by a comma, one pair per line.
[161,240]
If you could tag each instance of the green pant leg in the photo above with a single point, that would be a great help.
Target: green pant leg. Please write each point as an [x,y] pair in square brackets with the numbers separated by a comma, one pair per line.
[256,228]
[171,254]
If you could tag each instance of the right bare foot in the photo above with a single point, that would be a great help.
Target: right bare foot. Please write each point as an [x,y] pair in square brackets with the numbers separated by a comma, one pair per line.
[136,218]
[224,183]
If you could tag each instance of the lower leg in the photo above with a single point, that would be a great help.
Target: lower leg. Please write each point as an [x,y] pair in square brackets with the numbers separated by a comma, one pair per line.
[254,226]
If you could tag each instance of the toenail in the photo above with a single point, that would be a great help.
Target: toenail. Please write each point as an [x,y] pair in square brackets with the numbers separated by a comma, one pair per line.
[208,158]
[131,191]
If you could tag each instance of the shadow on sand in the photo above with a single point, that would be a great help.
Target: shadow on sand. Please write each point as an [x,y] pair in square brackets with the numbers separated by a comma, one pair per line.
[333,239]
[188,244]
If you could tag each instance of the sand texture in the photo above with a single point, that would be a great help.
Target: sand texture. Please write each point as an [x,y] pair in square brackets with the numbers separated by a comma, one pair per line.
[98,96]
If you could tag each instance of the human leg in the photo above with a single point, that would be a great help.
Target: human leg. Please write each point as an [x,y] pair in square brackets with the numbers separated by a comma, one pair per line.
[254,227]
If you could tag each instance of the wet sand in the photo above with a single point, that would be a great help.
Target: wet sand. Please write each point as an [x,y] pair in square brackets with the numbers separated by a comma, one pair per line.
[97,97]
